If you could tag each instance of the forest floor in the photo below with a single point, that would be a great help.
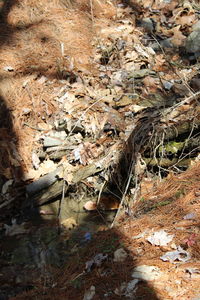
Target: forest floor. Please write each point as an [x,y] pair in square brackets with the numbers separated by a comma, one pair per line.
[99,153]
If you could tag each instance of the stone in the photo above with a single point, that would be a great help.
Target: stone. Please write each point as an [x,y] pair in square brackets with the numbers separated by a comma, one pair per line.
[192,44]
[148,24]
[162,44]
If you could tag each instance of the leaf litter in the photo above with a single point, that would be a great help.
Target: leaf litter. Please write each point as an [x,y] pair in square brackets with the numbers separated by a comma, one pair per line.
[70,111]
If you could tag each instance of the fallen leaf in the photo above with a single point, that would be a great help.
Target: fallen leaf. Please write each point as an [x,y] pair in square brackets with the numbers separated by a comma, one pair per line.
[108,202]
[189,216]
[90,206]
[145,272]
[69,223]
[191,240]
[127,289]
[178,38]
[160,238]
[96,261]
[187,20]
[89,294]
[6,186]
[120,255]
[15,229]
[177,255]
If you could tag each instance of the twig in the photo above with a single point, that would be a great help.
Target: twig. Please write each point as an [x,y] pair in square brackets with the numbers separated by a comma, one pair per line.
[100,192]
[124,195]
[7,202]
[33,127]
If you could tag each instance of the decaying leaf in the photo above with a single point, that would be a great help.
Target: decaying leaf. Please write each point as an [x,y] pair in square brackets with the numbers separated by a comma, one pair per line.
[120,255]
[178,38]
[95,262]
[90,206]
[15,228]
[145,272]
[127,289]
[89,294]
[69,223]
[191,240]
[160,238]
[177,255]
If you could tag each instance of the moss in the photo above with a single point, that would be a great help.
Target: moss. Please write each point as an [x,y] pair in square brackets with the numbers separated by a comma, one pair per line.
[172,147]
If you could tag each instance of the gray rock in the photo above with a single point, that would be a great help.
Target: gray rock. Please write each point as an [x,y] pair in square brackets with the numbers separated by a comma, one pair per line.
[147,24]
[168,85]
[192,44]
[162,44]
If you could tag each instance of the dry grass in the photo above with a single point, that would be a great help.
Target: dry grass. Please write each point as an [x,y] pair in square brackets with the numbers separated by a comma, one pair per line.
[50,38]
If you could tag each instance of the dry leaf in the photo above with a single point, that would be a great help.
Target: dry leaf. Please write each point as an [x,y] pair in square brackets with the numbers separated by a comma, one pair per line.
[15,228]
[186,20]
[69,223]
[178,38]
[89,294]
[120,255]
[160,238]
[108,202]
[90,206]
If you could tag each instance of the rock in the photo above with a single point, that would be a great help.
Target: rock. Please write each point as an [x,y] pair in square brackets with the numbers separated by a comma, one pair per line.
[192,44]
[168,85]
[147,24]
[162,44]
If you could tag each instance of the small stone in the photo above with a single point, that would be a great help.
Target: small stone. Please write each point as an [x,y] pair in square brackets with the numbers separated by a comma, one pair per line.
[162,44]
[168,85]
[148,24]
[192,44]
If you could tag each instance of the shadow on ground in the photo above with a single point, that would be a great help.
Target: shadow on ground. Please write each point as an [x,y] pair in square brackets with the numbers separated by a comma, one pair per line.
[34,254]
